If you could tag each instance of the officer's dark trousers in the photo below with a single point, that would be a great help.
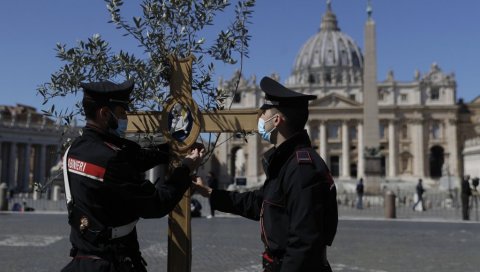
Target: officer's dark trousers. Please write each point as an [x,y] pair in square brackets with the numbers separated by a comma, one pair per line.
[87,265]
[325,268]
[94,264]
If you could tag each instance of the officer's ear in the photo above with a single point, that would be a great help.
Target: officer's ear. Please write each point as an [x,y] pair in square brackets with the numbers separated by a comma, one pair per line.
[103,113]
[279,119]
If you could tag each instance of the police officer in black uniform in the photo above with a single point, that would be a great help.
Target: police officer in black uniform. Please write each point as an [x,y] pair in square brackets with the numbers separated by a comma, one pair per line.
[105,190]
[297,206]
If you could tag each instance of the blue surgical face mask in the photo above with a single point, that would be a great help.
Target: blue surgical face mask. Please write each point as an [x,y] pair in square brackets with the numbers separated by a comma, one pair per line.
[261,129]
[121,126]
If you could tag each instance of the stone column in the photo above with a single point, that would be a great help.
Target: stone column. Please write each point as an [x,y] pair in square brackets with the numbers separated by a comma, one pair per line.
[26,168]
[4,164]
[253,161]
[323,140]
[345,151]
[1,158]
[42,165]
[361,147]
[223,155]
[36,163]
[452,147]
[308,128]
[392,150]
[12,169]
[418,148]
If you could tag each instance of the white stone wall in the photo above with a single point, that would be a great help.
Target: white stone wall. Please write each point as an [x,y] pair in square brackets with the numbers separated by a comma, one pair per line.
[471,158]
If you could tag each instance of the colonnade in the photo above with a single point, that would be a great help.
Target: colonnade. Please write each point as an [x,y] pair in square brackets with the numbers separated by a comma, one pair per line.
[417,141]
[22,164]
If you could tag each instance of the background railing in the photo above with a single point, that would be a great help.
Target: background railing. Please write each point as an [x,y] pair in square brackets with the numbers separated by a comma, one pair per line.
[436,205]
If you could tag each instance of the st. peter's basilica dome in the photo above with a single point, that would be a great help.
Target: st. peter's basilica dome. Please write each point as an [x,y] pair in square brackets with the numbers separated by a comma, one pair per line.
[330,57]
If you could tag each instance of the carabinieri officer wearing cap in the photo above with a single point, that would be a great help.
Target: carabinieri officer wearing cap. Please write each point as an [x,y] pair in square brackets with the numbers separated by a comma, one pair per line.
[297,206]
[106,193]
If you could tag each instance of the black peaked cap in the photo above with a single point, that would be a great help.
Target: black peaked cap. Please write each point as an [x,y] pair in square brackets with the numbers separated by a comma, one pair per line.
[107,92]
[279,96]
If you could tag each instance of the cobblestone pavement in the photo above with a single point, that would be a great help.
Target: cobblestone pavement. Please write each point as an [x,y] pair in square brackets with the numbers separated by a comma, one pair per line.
[39,242]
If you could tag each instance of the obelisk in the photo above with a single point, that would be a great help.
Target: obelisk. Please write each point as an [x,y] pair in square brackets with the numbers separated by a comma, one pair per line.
[371,133]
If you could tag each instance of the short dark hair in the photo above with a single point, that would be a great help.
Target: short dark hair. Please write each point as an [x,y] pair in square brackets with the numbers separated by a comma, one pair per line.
[90,108]
[296,118]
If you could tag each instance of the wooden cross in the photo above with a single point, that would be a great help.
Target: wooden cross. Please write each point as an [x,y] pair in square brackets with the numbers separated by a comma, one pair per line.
[181,123]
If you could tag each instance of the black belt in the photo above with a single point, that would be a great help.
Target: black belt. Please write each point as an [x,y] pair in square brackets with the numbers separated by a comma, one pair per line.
[121,261]
[93,257]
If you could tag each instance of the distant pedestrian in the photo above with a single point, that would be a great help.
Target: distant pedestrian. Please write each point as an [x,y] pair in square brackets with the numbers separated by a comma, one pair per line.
[195,208]
[212,182]
[466,193]
[359,190]
[420,192]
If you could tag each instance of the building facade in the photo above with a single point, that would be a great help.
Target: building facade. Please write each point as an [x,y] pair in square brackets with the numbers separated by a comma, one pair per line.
[29,147]
[422,128]
[469,137]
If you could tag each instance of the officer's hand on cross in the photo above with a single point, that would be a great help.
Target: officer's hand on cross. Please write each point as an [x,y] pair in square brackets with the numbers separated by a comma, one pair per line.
[194,158]
[200,187]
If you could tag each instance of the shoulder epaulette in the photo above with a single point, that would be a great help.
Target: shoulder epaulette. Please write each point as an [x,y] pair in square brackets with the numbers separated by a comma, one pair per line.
[112,146]
[303,157]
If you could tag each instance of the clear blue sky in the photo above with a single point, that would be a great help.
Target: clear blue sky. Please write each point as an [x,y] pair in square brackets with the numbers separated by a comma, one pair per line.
[411,34]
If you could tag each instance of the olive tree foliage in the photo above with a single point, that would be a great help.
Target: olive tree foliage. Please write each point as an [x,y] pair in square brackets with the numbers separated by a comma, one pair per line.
[165,27]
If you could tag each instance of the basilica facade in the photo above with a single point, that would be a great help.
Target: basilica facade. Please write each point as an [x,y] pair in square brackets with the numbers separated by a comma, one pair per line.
[422,126]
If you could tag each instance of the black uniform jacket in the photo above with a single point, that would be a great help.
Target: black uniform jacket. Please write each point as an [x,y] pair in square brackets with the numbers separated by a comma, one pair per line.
[106,182]
[296,206]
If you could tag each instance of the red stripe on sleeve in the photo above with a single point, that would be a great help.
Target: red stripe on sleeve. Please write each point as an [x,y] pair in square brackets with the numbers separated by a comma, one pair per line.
[86,169]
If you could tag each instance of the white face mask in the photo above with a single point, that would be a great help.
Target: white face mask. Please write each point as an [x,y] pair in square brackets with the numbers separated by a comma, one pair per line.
[261,129]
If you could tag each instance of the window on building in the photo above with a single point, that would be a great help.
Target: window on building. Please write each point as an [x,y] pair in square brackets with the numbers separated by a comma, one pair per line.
[436,130]
[355,59]
[383,166]
[404,131]
[335,166]
[403,97]
[406,163]
[311,79]
[333,130]
[338,78]
[330,57]
[328,77]
[352,97]
[344,57]
[353,170]
[381,97]
[352,133]
[382,130]
[434,93]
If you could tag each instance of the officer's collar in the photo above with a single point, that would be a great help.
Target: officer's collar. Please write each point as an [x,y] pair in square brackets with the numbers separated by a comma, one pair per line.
[285,149]
[103,134]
